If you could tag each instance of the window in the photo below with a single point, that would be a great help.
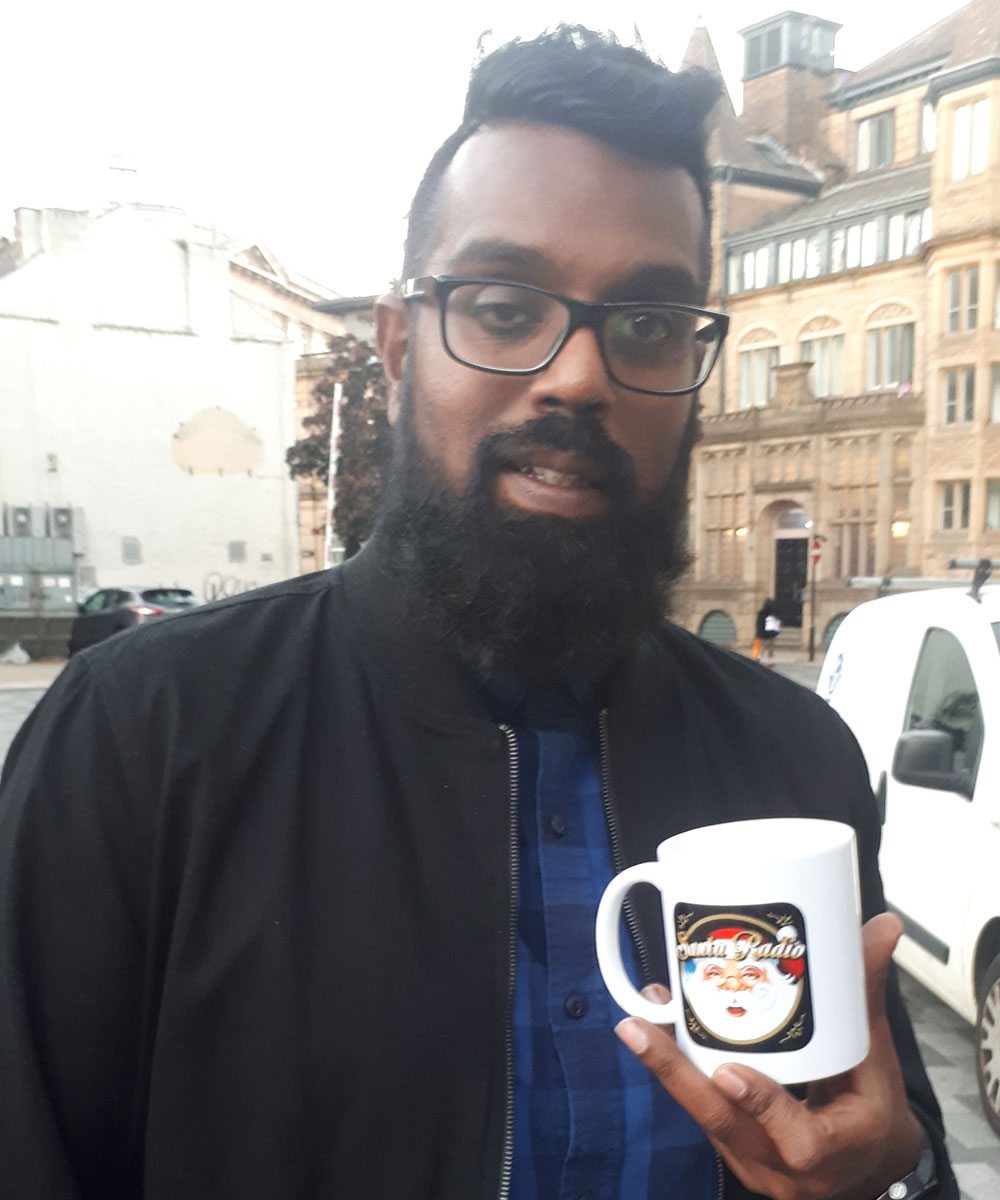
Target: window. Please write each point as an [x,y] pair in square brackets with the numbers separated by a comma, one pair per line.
[928,128]
[748,270]
[784,262]
[131,551]
[895,246]
[757,376]
[762,267]
[944,697]
[735,268]
[815,245]
[959,395]
[772,48]
[993,505]
[996,297]
[873,144]
[827,356]
[869,242]
[798,258]
[237,552]
[838,242]
[889,357]
[970,139]
[955,505]
[853,246]
[962,300]
[752,63]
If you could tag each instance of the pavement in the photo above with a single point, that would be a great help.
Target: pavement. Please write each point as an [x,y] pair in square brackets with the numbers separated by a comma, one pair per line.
[947,1042]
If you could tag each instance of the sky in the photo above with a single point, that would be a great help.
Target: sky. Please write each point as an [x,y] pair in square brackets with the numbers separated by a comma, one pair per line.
[305,126]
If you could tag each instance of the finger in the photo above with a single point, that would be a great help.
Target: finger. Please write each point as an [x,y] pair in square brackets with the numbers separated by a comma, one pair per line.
[880,936]
[804,1137]
[689,1086]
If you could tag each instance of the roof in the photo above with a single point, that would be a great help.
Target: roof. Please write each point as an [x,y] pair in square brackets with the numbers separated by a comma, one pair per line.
[731,146]
[967,36]
[855,197]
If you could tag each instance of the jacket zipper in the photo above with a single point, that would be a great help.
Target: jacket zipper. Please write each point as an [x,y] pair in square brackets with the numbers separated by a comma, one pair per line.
[618,858]
[507,1157]
[611,816]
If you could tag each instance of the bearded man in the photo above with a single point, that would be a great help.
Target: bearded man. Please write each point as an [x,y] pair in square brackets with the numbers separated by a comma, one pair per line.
[298,890]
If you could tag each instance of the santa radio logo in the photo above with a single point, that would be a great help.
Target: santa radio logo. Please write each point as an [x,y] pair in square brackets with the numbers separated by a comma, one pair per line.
[744,976]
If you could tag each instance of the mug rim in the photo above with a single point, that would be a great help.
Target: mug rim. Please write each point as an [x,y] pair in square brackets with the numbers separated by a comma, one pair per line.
[806,837]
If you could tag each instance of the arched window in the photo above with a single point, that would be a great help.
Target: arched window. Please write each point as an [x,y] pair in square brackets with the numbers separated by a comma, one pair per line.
[889,348]
[758,350]
[821,342]
[718,627]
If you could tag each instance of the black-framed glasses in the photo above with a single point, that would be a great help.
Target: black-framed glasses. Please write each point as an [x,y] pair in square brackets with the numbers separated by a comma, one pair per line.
[659,348]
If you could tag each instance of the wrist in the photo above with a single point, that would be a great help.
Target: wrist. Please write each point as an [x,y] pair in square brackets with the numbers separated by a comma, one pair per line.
[920,1181]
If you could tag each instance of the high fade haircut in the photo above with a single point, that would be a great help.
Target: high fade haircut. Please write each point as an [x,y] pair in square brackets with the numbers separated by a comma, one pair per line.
[574,78]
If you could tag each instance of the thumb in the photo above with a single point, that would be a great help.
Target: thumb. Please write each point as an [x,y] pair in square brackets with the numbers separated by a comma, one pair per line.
[879,936]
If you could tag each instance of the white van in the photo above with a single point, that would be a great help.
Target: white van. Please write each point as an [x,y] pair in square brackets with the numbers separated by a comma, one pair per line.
[917,678]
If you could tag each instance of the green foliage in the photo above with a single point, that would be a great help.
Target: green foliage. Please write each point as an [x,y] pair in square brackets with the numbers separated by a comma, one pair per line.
[364,447]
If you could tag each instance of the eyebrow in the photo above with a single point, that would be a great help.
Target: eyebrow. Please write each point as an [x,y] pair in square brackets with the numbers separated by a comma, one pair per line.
[498,254]
[526,264]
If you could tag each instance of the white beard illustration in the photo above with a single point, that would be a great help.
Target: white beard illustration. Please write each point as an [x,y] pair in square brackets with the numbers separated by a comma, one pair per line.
[742,1014]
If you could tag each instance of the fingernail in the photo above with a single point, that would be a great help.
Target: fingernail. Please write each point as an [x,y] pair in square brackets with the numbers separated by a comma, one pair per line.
[657,993]
[729,1083]
[633,1035]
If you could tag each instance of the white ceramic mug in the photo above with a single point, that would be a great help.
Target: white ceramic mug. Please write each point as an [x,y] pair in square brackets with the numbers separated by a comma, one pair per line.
[763,931]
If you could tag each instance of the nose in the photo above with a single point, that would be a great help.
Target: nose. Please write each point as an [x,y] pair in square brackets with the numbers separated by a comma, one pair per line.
[577,377]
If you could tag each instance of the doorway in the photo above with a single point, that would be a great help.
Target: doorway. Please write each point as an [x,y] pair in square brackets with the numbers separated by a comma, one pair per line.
[791,558]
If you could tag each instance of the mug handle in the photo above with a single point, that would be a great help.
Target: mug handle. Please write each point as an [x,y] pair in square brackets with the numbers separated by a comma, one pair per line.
[609,952]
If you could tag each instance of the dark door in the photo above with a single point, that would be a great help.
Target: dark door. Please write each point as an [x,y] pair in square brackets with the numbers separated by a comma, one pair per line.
[790,573]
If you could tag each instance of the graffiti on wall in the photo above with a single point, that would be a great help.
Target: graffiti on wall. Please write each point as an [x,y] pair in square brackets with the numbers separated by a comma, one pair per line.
[217,586]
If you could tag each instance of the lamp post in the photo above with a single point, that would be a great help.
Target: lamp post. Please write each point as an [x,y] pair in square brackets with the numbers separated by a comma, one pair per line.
[815,550]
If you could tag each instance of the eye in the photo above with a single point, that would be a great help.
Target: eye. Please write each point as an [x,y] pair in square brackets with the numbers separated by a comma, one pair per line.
[751,975]
[648,325]
[498,311]
[713,973]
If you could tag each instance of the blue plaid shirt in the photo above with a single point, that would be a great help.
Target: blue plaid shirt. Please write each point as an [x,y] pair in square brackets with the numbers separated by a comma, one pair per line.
[590,1122]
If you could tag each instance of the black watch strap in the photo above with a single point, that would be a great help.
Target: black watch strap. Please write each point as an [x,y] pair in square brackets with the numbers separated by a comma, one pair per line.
[920,1180]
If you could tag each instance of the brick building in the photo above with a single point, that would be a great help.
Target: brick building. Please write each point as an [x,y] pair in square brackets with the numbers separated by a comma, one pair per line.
[857,251]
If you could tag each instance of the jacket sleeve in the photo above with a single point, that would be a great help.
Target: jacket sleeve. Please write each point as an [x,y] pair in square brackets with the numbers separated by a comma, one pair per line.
[73,860]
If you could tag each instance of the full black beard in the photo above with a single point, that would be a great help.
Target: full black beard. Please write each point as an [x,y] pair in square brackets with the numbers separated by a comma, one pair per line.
[531,596]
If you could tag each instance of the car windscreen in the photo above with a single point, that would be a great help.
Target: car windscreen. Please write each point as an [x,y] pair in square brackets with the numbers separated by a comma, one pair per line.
[170,597]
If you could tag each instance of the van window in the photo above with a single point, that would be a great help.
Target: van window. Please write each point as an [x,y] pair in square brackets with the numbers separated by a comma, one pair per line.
[944,697]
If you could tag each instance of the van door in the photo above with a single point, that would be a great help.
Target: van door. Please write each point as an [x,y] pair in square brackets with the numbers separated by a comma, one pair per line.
[931,850]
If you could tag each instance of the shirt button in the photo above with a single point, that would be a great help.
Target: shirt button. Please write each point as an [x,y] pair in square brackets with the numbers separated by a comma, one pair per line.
[576,1007]
[558,825]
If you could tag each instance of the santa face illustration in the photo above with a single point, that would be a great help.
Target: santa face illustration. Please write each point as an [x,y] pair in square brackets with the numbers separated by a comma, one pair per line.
[738,998]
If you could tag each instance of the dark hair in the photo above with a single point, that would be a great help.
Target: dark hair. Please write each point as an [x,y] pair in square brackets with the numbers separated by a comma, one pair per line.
[588,82]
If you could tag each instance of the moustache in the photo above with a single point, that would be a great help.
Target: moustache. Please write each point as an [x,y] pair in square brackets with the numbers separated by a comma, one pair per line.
[582,435]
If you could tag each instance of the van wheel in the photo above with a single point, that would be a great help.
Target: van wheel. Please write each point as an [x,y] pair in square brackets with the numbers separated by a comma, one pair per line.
[988,1055]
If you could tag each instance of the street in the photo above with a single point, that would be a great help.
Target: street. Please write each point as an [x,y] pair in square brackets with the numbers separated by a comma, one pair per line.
[948,1044]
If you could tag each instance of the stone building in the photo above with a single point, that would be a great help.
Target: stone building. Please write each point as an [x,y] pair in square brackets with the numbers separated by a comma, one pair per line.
[147,397]
[857,252]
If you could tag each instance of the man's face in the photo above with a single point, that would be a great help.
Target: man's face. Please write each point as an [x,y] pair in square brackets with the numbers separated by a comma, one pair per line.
[739,999]
[552,208]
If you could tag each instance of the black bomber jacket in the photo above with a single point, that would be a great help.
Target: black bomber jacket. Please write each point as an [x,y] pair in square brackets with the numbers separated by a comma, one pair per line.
[256,899]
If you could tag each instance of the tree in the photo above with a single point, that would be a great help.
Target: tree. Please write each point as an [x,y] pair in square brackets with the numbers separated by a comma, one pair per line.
[364,442]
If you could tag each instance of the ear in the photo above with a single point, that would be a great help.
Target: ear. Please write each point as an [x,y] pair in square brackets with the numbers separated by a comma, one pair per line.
[392,331]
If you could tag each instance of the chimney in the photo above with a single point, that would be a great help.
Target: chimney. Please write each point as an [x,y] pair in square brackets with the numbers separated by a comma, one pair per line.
[787,65]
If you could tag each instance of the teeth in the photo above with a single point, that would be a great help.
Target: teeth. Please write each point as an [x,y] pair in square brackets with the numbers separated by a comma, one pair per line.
[554,478]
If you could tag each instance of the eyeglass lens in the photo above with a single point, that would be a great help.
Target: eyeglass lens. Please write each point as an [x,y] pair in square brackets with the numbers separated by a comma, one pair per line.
[510,328]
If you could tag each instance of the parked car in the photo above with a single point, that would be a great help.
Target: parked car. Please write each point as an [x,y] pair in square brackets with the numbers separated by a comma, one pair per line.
[112,610]
[917,678]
